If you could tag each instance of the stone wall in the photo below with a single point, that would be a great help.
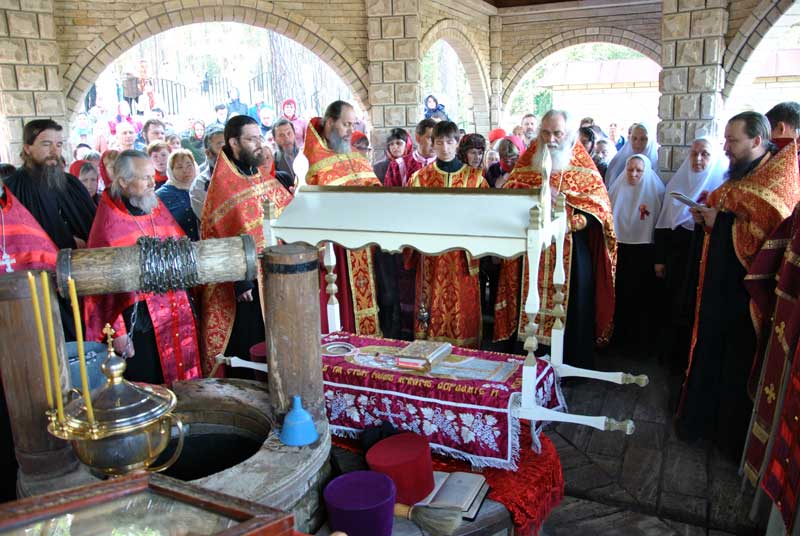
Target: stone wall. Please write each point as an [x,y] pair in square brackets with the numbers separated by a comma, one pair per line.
[471,43]
[51,51]
[30,85]
[692,78]
[530,34]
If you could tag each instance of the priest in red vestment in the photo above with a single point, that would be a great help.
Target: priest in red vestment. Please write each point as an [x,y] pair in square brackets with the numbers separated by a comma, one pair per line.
[164,335]
[772,451]
[761,191]
[331,163]
[590,249]
[447,285]
[23,243]
[232,319]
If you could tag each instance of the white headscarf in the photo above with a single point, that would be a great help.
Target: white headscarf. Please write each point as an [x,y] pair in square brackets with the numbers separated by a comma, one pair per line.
[691,184]
[636,208]
[618,163]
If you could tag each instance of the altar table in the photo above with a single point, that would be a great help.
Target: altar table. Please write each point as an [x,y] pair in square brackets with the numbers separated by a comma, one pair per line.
[464,407]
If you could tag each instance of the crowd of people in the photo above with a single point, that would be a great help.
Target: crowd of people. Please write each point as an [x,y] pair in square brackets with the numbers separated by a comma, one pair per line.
[647,259]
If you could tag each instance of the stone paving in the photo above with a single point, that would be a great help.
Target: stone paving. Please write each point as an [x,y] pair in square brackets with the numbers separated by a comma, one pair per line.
[649,483]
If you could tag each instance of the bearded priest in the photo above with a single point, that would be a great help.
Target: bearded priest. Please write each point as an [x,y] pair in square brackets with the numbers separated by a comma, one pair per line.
[156,332]
[590,249]
[332,162]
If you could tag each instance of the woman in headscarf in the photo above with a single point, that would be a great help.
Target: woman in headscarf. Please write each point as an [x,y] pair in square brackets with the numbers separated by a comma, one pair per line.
[677,251]
[194,141]
[107,161]
[636,197]
[641,141]
[398,145]
[470,150]
[509,150]
[432,106]
[289,111]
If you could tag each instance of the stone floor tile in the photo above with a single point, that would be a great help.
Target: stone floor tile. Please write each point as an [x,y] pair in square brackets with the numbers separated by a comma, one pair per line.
[607,443]
[570,456]
[579,480]
[641,472]
[621,401]
[683,529]
[576,434]
[653,404]
[609,464]
[683,508]
[729,503]
[685,470]
[623,523]
[572,510]
[648,435]
[613,494]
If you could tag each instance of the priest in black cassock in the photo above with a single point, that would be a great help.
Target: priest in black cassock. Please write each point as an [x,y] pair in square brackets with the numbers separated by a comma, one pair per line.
[58,201]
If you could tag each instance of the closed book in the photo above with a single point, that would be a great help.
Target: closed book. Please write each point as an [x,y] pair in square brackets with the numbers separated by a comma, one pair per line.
[429,353]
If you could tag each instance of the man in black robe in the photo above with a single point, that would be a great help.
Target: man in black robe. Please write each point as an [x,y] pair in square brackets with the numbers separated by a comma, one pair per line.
[58,201]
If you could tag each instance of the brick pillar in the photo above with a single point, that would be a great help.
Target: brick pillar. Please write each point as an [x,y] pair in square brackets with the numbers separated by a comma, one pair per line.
[495,71]
[30,85]
[393,28]
[692,79]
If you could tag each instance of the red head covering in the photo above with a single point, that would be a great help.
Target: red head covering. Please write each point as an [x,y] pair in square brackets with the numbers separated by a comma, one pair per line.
[357,137]
[75,167]
[283,105]
[518,143]
[496,134]
[105,176]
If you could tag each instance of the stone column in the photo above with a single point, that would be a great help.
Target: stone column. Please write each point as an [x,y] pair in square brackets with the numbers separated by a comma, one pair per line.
[30,85]
[393,28]
[495,71]
[692,79]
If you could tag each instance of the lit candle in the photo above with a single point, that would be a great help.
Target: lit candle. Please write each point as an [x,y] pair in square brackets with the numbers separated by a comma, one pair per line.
[51,334]
[76,312]
[37,313]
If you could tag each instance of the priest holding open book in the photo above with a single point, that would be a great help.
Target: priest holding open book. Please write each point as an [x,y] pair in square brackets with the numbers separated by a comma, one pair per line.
[761,191]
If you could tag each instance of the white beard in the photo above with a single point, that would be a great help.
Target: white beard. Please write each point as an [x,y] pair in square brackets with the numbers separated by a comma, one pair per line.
[560,154]
[146,203]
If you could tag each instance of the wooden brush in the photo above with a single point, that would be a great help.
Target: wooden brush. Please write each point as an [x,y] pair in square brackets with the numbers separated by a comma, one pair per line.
[437,521]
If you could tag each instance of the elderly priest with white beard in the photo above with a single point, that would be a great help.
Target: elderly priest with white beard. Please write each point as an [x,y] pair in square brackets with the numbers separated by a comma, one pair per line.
[156,332]
[590,249]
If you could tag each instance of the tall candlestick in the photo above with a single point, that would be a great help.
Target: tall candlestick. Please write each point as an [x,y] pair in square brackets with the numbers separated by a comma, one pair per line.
[51,334]
[37,313]
[76,312]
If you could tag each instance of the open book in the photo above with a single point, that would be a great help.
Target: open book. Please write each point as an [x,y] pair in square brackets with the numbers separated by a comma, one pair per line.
[457,490]
[678,196]
[423,355]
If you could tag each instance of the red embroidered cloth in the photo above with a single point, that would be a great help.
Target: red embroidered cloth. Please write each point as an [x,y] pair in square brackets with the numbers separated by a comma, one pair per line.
[463,407]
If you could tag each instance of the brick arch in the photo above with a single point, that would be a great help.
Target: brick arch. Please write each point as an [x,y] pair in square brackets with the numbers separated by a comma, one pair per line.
[140,25]
[455,33]
[616,36]
[749,36]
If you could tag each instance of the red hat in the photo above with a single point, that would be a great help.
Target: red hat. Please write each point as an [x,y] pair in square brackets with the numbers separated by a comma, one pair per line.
[496,134]
[406,459]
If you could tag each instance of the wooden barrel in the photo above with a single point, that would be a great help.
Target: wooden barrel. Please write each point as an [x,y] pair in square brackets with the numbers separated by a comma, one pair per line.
[40,455]
[112,270]
[291,299]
